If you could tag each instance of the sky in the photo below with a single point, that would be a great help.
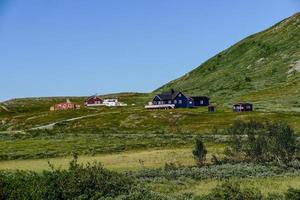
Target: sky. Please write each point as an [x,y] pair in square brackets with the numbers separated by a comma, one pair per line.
[84,47]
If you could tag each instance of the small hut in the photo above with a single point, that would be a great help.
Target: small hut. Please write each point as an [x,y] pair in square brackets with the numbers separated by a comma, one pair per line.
[211,108]
[243,107]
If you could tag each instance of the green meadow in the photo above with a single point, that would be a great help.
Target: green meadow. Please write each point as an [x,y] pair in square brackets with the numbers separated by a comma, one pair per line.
[154,147]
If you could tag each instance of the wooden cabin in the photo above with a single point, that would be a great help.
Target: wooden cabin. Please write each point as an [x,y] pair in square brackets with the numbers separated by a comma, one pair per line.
[68,105]
[243,107]
[93,101]
[200,101]
[172,99]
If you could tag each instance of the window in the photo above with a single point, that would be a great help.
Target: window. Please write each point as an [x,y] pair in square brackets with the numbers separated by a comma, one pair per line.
[201,102]
[179,95]
[180,101]
[169,102]
[175,101]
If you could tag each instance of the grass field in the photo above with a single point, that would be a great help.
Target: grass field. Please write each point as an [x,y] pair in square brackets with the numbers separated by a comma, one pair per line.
[111,130]
[130,160]
[128,139]
[267,185]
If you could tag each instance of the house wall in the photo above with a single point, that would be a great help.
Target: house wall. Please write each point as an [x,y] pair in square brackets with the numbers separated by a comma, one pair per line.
[243,108]
[181,101]
[202,102]
[94,101]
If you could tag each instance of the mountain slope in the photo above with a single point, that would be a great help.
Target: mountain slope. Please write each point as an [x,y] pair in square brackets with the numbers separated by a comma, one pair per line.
[259,68]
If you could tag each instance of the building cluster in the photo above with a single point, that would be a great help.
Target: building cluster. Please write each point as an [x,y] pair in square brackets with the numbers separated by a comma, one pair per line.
[167,100]
[92,101]
[68,105]
[176,99]
[97,101]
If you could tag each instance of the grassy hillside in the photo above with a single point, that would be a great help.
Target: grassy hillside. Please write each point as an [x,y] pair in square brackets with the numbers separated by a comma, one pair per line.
[261,68]
[38,104]
[155,146]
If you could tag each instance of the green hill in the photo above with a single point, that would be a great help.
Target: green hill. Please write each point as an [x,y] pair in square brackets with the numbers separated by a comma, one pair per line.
[263,68]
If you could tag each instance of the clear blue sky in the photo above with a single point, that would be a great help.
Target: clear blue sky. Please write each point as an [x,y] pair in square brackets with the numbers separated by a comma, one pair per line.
[82,47]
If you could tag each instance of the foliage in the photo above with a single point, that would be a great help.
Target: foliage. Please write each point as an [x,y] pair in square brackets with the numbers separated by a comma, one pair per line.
[91,181]
[199,152]
[264,142]
[218,172]
[292,194]
[233,191]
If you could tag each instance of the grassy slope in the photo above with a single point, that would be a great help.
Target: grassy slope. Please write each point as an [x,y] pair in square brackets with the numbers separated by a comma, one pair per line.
[254,69]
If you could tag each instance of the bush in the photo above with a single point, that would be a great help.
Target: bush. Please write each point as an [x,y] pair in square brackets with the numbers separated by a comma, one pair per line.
[264,142]
[292,194]
[199,152]
[89,181]
[233,191]
[219,172]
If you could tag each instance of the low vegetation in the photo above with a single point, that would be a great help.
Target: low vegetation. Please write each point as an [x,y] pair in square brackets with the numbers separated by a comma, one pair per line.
[262,142]
[91,181]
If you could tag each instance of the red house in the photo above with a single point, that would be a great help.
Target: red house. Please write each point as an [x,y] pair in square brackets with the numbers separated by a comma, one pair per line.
[93,101]
[68,105]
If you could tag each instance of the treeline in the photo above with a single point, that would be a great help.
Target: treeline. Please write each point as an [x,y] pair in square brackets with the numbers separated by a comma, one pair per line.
[255,141]
[81,182]
[92,181]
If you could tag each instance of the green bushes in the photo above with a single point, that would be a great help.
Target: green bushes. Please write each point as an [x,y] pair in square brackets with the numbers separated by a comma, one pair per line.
[233,191]
[91,181]
[219,172]
[199,152]
[264,142]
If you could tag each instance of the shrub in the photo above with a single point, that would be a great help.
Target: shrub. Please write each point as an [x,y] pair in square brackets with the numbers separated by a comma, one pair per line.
[264,142]
[292,194]
[199,152]
[233,191]
[89,181]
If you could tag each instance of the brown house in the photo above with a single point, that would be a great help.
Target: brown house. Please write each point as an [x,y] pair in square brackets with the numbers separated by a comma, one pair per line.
[243,107]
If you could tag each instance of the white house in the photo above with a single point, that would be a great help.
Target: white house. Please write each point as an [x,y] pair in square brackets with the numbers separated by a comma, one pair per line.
[113,103]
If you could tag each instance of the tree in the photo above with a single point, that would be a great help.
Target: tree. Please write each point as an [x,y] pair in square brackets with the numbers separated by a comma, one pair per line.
[261,142]
[199,152]
[283,142]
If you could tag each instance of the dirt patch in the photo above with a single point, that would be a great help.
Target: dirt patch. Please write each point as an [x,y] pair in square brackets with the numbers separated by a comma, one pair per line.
[297,66]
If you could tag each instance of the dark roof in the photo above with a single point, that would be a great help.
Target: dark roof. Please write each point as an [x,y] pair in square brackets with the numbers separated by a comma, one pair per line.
[199,97]
[168,95]
[243,104]
[93,97]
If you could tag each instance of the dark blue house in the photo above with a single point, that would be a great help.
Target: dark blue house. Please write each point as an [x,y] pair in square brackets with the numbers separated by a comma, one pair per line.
[178,99]
[200,101]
